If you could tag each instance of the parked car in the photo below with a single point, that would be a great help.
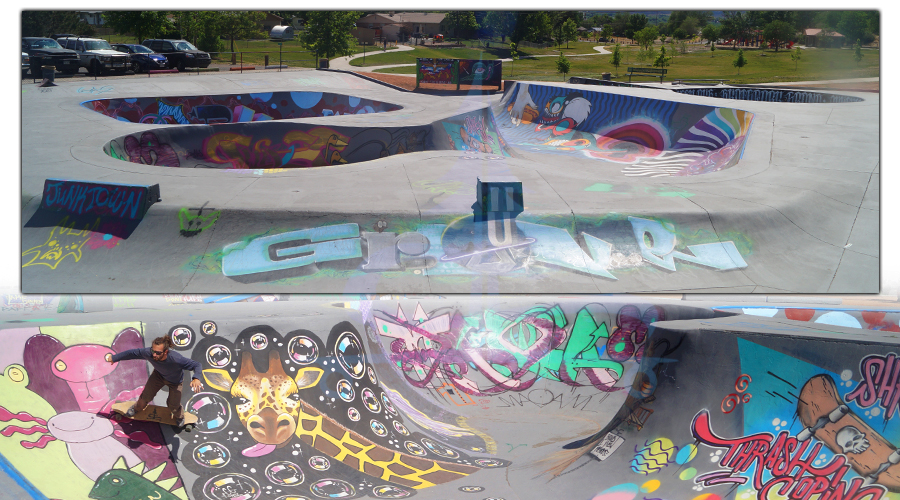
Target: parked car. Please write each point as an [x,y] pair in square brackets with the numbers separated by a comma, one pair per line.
[97,55]
[47,52]
[57,36]
[26,64]
[142,58]
[180,53]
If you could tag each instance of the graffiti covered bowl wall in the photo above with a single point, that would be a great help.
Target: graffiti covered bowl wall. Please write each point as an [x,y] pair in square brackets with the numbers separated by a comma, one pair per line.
[234,108]
[648,137]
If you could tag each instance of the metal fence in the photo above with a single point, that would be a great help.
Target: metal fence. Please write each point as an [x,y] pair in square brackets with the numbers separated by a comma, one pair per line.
[523,43]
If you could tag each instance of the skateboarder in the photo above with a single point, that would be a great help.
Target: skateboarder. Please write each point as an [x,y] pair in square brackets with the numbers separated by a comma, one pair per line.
[168,370]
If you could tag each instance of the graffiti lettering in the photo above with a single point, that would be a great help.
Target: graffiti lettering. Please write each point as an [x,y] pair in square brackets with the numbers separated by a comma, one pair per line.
[434,247]
[325,244]
[496,352]
[193,224]
[117,200]
[880,383]
[789,461]
[64,241]
[771,95]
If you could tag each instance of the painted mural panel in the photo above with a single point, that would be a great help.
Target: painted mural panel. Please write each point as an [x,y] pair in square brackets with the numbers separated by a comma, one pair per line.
[55,401]
[480,72]
[432,70]
[647,137]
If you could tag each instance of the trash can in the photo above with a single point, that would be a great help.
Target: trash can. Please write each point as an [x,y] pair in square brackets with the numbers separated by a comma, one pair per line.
[323,63]
[606,76]
[48,73]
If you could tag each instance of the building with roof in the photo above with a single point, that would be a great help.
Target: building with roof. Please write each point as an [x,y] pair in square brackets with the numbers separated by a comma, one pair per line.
[397,26]
[814,37]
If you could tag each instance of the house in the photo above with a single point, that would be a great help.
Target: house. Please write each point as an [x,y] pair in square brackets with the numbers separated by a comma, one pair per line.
[396,26]
[92,17]
[269,22]
[813,36]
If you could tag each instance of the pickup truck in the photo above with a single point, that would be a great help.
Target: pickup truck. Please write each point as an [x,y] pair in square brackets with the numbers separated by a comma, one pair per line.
[46,52]
[97,55]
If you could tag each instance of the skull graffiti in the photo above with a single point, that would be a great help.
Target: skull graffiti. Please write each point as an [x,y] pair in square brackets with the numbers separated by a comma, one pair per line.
[851,440]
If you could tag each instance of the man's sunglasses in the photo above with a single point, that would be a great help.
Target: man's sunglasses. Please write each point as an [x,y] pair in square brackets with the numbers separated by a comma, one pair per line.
[158,353]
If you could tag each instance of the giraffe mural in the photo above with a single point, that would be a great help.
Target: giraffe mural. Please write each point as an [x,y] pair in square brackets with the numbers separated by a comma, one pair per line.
[309,412]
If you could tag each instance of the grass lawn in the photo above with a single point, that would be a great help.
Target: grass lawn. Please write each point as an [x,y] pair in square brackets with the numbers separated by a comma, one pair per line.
[762,66]
[473,50]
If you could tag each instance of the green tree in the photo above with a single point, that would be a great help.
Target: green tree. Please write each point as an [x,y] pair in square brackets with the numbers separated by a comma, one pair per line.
[712,49]
[738,26]
[636,22]
[620,24]
[569,31]
[853,25]
[739,61]
[328,34]
[189,23]
[241,25]
[500,23]
[532,26]
[795,56]
[514,55]
[140,23]
[563,65]
[690,25]
[778,32]
[646,36]
[857,52]
[48,22]
[710,33]
[662,60]
[606,32]
[616,58]
[461,20]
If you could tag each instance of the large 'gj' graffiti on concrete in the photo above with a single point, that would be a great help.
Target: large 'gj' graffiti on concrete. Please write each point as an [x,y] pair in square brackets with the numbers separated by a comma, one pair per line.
[495,352]
[649,137]
[466,247]
[235,108]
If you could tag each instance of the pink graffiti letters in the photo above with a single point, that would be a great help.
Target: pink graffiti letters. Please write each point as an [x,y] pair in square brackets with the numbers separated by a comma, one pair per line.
[880,383]
[498,352]
[788,461]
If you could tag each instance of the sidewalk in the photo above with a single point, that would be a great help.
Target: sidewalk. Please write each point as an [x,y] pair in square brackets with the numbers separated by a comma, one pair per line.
[344,62]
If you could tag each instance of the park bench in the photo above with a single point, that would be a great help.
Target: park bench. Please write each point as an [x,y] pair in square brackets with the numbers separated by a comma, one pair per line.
[660,72]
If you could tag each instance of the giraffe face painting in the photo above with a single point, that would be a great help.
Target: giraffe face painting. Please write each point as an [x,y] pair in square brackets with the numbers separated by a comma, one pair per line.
[266,402]
[300,403]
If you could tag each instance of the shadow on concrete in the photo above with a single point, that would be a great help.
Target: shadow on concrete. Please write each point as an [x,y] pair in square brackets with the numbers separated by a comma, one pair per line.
[113,226]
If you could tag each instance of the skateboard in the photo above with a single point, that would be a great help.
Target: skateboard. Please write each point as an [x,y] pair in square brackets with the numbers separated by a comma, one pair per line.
[153,413]
[825,417]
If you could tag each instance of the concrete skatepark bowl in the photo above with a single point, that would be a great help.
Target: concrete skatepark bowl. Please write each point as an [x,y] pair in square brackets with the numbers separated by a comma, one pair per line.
[284,185]
[502,397]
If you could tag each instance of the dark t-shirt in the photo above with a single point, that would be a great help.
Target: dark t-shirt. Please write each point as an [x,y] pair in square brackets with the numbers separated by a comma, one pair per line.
[171,369]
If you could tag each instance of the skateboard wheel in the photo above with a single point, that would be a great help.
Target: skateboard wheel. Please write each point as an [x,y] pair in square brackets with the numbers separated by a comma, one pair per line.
[804,434]
[838,412]
[894,457]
